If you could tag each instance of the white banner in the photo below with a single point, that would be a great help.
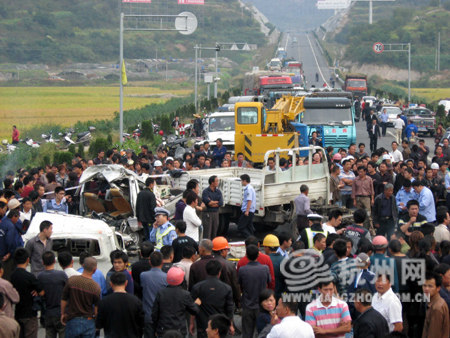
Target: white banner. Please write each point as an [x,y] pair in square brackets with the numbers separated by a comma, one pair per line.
[191,2]
[333,4]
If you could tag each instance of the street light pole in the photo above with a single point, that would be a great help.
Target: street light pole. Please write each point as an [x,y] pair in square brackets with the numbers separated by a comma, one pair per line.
[121,84]
[195,101]
[215,82]
[409,71]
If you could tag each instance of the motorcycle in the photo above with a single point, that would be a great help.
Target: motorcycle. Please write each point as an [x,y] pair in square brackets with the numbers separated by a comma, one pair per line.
[155,128]
[84,138]
[7,147]
[172,142]
[49,137]
[29,142]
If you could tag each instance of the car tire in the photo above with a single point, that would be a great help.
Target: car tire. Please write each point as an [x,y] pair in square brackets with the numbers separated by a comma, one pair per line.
[224,224]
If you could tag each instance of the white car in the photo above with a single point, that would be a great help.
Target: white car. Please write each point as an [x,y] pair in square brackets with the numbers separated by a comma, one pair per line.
[369,99]
[392,112]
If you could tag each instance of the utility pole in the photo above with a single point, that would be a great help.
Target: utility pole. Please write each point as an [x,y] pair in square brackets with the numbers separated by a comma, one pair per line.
[370,12]
[439,52]
[215,82]
[121,84]
[196,61]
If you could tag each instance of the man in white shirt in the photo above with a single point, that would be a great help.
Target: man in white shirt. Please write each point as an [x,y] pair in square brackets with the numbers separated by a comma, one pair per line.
[291,325]
[334,220]
[387,303]
[399,125]
[441,232]
[65,260]
[395,153]
[190,216]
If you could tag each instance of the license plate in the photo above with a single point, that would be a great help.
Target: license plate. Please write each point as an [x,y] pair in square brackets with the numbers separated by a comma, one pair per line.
[422,129]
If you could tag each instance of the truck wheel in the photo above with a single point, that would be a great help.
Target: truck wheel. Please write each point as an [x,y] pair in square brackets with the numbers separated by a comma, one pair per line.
[294,229]
[224,224]
[137,237]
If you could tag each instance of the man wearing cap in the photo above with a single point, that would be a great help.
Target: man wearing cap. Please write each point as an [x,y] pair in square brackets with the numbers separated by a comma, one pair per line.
[380,264]
[302,208]
[145,206]
[365,279]
[219,152]
[307,234]
[171,304]
[426,201]
[271,245]
[163,232]
[220,251]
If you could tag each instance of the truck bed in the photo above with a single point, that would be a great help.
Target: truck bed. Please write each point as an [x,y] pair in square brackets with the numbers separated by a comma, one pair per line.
[268,193]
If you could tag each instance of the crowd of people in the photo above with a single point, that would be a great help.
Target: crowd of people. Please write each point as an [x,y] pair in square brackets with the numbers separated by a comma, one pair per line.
[385,274]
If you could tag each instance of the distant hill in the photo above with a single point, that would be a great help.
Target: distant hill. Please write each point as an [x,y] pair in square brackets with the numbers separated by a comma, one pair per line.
[64,31]
[403,21]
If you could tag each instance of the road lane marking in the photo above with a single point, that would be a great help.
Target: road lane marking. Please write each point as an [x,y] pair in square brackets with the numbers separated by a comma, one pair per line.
[317,63]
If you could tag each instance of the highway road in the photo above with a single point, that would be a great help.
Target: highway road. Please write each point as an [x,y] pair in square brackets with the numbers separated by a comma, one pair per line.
[307,50]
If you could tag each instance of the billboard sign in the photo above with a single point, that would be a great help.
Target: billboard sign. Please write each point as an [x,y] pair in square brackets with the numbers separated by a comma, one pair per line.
[333,4]
[191,2]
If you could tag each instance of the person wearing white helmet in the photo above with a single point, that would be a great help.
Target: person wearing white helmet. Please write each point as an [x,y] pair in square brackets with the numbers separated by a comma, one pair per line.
[157,170]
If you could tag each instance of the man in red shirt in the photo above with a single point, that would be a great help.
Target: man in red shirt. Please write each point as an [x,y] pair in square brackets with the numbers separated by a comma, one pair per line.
[15,135]
[262,259]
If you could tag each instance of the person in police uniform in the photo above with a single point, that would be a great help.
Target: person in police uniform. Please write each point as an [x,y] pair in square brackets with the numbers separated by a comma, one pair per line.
[315,227]
[163,232]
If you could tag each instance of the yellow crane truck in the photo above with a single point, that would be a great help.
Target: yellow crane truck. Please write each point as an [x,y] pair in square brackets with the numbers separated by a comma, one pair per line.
[257,130]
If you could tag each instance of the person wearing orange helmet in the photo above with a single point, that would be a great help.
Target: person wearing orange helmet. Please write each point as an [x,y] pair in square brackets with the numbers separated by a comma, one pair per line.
[165,317]
[220,251]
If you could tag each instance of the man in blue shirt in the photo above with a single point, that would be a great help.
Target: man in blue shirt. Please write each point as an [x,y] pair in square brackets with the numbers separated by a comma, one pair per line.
[384,121]
[404,195]
[8,243]
[151,282]
[219,152]
[57,204]
[163,232]
[426,201]
[409,128]
[213,199]
[245,224]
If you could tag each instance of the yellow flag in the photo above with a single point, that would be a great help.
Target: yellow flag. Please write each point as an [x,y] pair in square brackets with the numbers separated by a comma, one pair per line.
[124,74]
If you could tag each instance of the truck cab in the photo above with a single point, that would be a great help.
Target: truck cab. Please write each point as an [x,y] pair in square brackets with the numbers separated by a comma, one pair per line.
[221,125]
[333,117]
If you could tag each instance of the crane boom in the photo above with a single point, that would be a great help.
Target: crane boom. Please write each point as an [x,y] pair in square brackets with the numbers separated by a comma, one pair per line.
[284,111]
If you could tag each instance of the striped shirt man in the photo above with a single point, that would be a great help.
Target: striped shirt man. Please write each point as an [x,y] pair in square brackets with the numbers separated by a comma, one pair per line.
[329,317]
[347,190]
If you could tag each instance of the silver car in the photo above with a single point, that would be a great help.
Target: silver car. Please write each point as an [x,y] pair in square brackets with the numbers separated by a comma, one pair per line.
[392,112]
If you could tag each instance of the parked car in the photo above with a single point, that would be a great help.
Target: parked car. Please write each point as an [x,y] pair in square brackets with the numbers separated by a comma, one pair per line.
[423,118]
[392,111]
[77,234]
